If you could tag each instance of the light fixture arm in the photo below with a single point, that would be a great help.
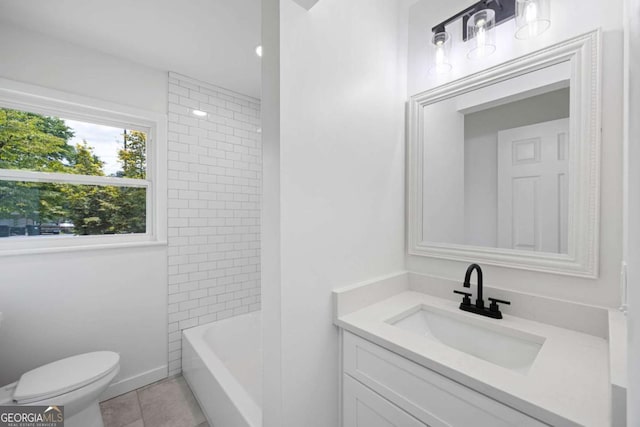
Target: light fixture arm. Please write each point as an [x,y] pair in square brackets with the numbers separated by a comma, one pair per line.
[504,10]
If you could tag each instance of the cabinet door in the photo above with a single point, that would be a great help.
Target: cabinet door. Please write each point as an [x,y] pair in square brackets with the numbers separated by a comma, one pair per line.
[430,397]
[364,408]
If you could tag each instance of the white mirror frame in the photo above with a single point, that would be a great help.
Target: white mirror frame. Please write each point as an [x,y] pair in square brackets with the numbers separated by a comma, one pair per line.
[582,260]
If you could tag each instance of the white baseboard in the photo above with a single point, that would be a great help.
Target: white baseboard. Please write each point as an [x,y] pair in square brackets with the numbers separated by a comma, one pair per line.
[132,383]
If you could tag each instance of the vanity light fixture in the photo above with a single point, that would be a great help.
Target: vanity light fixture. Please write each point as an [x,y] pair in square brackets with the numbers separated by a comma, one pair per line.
[199,113]
[533,18]
[503,10]
[259,50]
[478,27]
[442,47]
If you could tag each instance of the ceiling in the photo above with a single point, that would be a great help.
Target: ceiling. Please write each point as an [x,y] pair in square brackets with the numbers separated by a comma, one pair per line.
[210,40]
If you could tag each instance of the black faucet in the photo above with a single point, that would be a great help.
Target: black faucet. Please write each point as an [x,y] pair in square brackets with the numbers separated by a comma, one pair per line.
[493,311]
[467,282]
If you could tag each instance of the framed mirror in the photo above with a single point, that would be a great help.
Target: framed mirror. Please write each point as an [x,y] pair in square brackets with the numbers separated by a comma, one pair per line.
[504,165]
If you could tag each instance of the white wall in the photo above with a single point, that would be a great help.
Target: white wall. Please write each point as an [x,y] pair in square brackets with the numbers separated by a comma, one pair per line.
[443,162]
[214,207]
[56,305]
[341,185]
[40,60]
[632,230]
[569,18]
[270,221]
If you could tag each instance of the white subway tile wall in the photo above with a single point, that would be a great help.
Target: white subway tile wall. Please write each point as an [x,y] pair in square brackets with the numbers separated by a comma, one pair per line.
[214,207]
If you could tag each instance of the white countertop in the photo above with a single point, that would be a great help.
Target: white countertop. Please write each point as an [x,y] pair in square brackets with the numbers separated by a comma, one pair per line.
[568,383]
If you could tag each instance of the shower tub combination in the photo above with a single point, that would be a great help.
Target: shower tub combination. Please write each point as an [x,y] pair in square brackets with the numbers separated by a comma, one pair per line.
[222,363]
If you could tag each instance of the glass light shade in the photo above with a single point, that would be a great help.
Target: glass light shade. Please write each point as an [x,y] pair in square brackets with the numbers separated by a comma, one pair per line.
[441,53]
[533,17]
[481,33]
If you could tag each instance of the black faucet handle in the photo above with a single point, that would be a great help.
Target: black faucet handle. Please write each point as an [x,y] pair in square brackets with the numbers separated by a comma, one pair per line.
[467,297]
[494,309]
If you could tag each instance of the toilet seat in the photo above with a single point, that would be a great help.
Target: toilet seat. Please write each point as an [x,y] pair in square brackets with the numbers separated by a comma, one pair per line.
[64,376]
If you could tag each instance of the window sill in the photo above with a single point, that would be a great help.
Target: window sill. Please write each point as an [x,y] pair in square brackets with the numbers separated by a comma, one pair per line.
[80,248]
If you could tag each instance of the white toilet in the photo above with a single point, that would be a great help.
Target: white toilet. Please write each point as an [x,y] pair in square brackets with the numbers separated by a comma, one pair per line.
[75,383]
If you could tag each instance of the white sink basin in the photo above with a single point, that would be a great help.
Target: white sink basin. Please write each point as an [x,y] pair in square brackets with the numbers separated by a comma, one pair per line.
[500,345]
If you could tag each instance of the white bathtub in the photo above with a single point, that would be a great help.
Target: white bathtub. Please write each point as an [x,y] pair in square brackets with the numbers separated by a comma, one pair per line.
[222,363]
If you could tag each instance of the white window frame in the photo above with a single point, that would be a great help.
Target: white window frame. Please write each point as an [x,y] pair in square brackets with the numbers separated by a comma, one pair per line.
[35,99]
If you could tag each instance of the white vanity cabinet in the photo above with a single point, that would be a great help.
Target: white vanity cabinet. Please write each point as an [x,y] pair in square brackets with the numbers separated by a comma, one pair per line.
[365,408]
[382,388]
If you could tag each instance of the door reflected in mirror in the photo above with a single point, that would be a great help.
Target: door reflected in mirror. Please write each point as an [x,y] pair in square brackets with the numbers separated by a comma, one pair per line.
[496,171]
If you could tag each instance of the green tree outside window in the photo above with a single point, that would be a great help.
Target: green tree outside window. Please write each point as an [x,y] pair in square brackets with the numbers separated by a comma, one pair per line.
[35,142]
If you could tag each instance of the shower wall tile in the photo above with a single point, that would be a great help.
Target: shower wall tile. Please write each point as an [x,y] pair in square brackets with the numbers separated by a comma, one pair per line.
[215,168]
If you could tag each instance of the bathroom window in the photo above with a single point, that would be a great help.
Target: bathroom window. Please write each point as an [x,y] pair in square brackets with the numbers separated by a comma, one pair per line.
[74,176]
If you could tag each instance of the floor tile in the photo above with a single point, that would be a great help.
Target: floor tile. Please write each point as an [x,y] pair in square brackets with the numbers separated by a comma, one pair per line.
[138,423]
[170,404]
[121,411]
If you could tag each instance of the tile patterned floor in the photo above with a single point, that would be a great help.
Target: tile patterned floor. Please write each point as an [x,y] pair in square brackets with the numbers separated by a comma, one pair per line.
[168,403]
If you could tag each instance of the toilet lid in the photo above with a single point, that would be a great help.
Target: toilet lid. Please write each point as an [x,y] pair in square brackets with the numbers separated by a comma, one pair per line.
[65,375]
